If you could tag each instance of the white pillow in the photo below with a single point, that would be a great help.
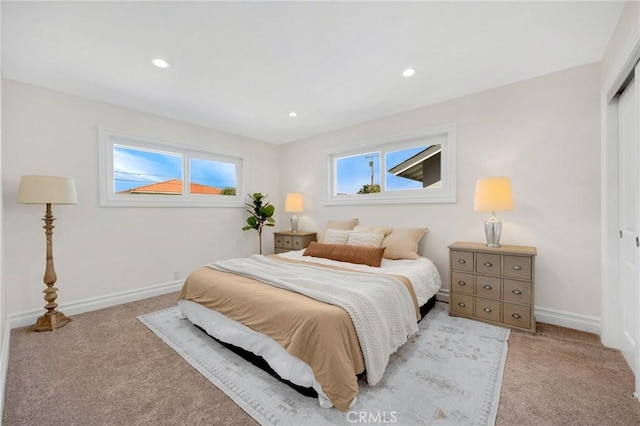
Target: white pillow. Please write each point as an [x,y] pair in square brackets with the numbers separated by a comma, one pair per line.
[346,225]
[368,239]
[336,236]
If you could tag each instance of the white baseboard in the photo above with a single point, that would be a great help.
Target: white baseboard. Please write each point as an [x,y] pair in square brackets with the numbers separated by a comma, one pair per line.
[568,319]
[26,318]
[442,296]
[4,364]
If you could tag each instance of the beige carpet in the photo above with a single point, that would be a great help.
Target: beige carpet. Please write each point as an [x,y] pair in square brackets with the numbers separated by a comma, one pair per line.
[107,368]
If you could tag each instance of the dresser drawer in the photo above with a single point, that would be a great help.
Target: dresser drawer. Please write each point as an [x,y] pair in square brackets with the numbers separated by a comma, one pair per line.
[288,242]
[462,260]
[461,304]
[488,309]
[461,282]
[298,242]
[517,291]
[517,267]
[517,315]
[487,263]
[278,241]
[488,287]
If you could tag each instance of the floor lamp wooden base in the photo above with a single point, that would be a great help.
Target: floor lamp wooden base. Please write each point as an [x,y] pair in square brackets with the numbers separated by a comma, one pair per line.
[50,322]
[52,319]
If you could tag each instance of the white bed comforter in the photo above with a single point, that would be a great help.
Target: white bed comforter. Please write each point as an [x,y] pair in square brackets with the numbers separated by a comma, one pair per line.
[422,273]
[380,307]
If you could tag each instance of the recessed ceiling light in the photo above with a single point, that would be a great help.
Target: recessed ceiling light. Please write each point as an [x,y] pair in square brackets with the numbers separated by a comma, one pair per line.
[408,72]
[293,114]
[160,63]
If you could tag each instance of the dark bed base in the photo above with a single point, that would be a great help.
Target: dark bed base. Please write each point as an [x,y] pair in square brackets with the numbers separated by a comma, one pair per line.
[260,362]
[424,309]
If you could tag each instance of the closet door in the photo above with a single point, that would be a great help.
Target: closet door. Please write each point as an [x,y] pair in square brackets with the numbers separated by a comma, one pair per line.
[629,220]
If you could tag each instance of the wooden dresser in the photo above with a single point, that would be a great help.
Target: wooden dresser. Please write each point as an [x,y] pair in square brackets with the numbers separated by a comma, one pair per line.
[286,240]
[495,285]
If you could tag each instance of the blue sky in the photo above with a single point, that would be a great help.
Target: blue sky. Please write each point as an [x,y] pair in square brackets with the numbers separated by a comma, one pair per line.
[353,172]
[135,167]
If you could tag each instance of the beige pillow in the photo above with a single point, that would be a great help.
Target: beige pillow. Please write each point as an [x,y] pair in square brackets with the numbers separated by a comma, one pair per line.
[402,243]
[376,229]
[368,239]
[336,236]
[345,225]
[371,256]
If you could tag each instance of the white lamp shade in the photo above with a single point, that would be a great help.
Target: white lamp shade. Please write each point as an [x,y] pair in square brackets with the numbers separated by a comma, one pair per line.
[47,190]
[294,203]
[493,194]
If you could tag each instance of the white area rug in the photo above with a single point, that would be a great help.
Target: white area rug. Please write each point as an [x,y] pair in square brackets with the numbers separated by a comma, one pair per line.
[450,373]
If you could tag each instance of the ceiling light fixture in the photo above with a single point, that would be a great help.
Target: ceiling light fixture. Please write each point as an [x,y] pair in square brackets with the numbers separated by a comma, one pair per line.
[408,72]
[293,114]
[160,63]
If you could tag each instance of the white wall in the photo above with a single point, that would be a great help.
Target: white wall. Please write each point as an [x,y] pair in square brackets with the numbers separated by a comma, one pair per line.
[100,251]
[623,36]
[4,335]
[543,133]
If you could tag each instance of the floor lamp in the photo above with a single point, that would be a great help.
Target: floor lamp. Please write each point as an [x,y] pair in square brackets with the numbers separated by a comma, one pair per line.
[48,190]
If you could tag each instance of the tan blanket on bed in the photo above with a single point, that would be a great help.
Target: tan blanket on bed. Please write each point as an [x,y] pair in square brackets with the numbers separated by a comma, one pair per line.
[320,334]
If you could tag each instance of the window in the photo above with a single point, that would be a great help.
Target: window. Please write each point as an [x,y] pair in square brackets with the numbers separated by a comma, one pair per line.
[416,167]
[137,171]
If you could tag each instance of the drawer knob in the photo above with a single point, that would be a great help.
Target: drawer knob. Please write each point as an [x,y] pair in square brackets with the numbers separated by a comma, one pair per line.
[516,291]
[516,316]
[461,304]
[517,267]
[487,310]
[461,283]
[488,264]
[462,261]
[297,243]
[487,287]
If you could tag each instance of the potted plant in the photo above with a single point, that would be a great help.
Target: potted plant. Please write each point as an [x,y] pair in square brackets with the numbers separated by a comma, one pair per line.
[261,214]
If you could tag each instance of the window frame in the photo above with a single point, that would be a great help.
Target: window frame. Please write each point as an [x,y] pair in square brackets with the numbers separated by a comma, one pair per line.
[109,198]
[446,193]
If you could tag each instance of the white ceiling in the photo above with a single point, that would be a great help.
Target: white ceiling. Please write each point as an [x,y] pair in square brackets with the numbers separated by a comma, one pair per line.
[241,67]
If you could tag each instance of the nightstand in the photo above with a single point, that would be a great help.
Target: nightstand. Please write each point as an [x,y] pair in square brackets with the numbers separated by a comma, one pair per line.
[493,284]
[286,240]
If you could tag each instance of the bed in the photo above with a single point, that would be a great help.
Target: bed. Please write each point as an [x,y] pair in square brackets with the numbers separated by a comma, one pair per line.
[318,322]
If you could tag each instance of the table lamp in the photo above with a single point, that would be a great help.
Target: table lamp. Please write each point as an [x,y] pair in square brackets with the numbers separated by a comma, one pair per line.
[493,194]
[48,190]
[294,204]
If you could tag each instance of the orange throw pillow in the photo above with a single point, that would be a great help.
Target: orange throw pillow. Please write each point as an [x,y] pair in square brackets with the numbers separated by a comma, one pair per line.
[362,255]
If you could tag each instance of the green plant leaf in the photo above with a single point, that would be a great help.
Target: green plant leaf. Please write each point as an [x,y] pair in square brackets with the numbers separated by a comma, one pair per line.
[267,211]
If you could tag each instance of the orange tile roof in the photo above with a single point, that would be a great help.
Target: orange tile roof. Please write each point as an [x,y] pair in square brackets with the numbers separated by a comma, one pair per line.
[172,187]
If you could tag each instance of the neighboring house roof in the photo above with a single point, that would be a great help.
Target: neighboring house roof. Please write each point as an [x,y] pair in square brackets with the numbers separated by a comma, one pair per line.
[172,187]
[414,167]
